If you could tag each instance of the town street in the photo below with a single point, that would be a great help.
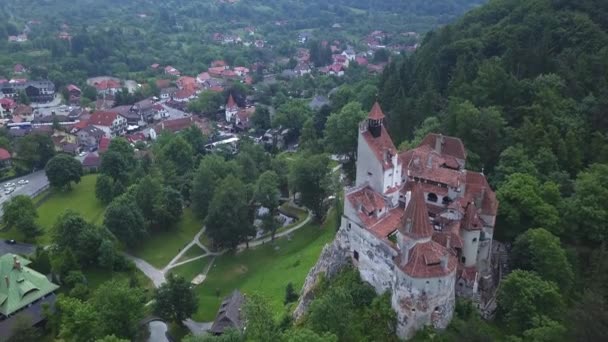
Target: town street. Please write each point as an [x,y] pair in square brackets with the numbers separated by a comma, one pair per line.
[37,183]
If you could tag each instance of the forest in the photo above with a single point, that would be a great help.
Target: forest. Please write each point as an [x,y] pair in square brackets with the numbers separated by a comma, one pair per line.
[524,84]
[124,38]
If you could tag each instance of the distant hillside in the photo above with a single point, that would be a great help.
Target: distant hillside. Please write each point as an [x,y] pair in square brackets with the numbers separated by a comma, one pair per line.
[494,57]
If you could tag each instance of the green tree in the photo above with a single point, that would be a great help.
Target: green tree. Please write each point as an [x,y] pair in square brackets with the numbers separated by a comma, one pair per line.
[175,300]
[512,160]
[586,212]
[309,176]
[341,131]
[28,227]
[114,165]
[524,297]
[261,325]
[290,294]
[309,140]
[119,307]
[62,170]
[80,321]
[334,313]
[111,338]
[17,208]
[229,221]
[107,254]
[35,150]
[540,251]
[261,117]
[292,115]
[125,220]
[307,335]
[211,170]
[104,188]
[179,152]
[207,102]
[72,232]
[524,204]
[380,319]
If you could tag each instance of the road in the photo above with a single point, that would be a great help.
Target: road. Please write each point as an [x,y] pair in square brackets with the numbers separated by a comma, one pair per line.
[37,183]
[18,248]
[174,113]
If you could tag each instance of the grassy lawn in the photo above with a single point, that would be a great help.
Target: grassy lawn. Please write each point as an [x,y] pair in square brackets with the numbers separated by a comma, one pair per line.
[265,270]
[161,247]
[97,276]
[192,269]
[192,252]
[80,199]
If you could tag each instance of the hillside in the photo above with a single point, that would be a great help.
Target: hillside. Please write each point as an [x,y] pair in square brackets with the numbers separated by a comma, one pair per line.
[524,84]
[494,56]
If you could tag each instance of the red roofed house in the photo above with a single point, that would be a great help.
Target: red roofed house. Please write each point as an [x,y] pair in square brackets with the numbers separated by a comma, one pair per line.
[5,158]
[155,66]
[219,63]
[418,224]
[19,69]
[74,92]
[91,162]
[169,70]
[104,143]
[216,71]
[112,123]
[336,69]
[176,125]
[231,109]
[202,77]
[186,82]
[107,87]
[7,106]
[185,94]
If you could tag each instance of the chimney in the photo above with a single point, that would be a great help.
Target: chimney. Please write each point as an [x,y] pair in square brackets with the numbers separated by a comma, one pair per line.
[448,241]
[444,262]
[16,263]
[438,143]
[385,155]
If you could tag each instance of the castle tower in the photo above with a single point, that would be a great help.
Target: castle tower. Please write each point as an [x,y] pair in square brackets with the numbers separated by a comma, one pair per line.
[231,109]
[378,163]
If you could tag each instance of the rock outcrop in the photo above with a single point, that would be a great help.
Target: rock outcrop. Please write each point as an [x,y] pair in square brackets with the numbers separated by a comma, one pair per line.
[332,260]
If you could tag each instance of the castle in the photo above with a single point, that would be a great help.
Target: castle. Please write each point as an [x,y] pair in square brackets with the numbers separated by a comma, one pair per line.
[418,224]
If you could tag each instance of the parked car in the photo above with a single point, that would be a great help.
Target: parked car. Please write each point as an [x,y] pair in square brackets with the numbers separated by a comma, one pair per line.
[23,182]
[10,242]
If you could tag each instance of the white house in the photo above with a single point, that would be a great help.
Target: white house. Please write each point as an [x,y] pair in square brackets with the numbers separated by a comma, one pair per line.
[112,123]
[231,109]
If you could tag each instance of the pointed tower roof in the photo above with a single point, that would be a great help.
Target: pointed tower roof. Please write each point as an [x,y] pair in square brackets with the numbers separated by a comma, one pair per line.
[231,103]
[471,220]
[416,223]
[376,112]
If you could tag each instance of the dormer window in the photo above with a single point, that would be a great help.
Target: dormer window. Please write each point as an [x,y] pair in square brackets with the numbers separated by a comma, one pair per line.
[431,197]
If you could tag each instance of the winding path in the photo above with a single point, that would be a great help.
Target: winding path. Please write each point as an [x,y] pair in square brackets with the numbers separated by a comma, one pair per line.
[158,276]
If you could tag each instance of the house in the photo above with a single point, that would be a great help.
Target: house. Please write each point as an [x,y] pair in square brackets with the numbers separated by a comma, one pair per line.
[242,119]
[336,70]
[302,69]
[7,105]
[418,225]
[154,66]
[349,54]
[230,314]
[231,109]
[37,91]
[112,123]
[219,63]
[169,70]
[362,61]
[216,71]
[177,125]
[103,104]
[89,136]
[241,71]
[167,93]
[19,69]
[259,44]
[24,111]
[340,59]
[108,87]
[74,93]
[20,38]
[202,77]
[185,95]
[104,144]
[303,37]
[186,82]
[23,293]
[91,162]
[145,110]
[5,158]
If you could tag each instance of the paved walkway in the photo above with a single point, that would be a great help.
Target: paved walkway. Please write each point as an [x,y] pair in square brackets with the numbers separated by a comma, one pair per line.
[158,276]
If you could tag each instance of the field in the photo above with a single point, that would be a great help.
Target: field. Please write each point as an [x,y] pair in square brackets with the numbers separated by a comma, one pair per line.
[160,247]
[192,269]
[80,199]
[265,270]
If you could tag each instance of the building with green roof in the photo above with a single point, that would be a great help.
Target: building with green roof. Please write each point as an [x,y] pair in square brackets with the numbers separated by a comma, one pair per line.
[22,291]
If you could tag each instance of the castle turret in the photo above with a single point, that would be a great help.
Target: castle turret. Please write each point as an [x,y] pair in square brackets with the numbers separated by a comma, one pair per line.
[416,224]
[375,120]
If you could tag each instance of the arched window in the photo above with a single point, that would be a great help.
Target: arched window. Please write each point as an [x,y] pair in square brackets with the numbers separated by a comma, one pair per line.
[446,200]
[474,239]
[431,197]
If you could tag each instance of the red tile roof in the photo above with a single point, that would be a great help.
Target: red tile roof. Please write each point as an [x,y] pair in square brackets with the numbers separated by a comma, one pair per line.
[451,146]
[477,187]
[425,261]
[425,163]
[376,112]
[185,93]
[81,124]
[218,63]
[4,154]
[381,144]
[231,103]
[471,220]
[416,223]
[107,84]
[72,87]
[101,118]
[104,143]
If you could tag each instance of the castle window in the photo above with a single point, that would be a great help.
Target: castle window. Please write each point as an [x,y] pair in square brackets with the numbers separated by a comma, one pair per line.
[369,173]
[474,240]
[356,255]
[463,259]
[446,200]
[431,197]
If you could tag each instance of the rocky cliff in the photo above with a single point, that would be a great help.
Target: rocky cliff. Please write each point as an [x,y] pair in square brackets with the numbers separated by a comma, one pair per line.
[333,258]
